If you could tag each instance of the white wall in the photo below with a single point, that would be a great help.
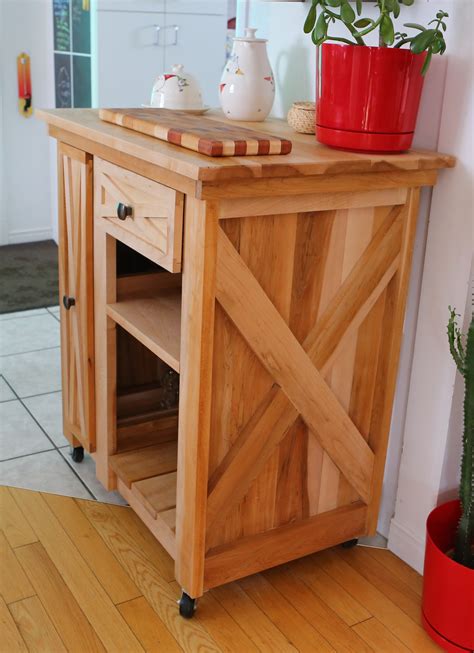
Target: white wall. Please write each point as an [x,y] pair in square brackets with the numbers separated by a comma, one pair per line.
[26,25]
[293,59]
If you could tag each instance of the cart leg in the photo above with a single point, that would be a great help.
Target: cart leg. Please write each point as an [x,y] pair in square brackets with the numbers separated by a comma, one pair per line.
[77,454]
[350,544]
[187,606]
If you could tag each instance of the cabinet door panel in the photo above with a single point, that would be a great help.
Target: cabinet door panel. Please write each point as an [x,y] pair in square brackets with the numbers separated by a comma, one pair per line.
[130,55]
[76,295]
[198,42]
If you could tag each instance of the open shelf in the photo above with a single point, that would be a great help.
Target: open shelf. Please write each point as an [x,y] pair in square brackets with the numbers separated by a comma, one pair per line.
[140,464]
[154,320]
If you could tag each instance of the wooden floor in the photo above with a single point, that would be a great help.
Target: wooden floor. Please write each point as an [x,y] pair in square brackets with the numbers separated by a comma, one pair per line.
[84,576]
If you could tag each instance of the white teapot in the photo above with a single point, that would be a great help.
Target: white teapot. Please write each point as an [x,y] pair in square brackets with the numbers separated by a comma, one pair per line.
[247,87]
[176,90]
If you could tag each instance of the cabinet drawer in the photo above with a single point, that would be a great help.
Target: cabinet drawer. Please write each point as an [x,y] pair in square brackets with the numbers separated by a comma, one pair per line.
[151,215]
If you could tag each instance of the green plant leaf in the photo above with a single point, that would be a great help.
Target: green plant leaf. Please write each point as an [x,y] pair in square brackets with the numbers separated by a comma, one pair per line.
[387,31]
[363,22]
[421,42]
[396,9]
[310,20]
[321,28]
[347,13]
[359,7]
[415,26]
[408,3]
[314,38]
[334,3]
[426,63]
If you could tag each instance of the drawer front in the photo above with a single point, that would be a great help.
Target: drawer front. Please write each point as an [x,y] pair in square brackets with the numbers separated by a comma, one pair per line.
[151,215]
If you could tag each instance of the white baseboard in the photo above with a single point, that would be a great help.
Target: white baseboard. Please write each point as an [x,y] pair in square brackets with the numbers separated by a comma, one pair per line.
[29,235]
[406,545]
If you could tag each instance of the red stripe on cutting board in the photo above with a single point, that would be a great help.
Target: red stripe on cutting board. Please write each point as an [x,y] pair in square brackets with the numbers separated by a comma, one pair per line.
[174,136]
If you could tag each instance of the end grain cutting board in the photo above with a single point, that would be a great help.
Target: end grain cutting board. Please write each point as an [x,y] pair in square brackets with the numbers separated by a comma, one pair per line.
[197,132]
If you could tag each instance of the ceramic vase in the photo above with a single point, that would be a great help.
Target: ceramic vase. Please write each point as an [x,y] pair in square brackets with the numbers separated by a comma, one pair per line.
[247,87]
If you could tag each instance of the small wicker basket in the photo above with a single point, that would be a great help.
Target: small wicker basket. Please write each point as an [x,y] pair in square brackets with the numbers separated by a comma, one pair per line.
[301,117]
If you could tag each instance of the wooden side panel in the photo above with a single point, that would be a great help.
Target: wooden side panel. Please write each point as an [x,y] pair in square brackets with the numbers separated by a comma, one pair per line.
[301,261]
[76,282]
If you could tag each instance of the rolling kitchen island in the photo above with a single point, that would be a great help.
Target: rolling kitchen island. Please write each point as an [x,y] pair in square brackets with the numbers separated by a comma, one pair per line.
[230,335]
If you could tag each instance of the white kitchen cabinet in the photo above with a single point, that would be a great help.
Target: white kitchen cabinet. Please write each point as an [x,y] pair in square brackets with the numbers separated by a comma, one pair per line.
[131,48]
[198,42]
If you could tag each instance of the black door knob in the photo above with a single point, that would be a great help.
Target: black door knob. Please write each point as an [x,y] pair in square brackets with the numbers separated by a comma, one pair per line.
[68,302]
[123,211]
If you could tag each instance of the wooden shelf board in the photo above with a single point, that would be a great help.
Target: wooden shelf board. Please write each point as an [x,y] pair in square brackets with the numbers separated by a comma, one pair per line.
[136,433]
[158,494]
[139,464]
[155,321]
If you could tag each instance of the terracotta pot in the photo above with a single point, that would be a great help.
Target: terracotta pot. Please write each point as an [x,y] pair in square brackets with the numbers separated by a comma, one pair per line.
[448,587]
[367,97]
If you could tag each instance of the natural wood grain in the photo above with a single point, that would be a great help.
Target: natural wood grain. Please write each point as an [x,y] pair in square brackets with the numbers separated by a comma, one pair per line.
[398,568]
[35,627]
[289,621]
[197,328]
[94,601]
[157,493]
[11,638]
[379,637]
[12,521]
[148,627]
[132,466]
[190,635]
[153,320]
[254,553]
[14,585]
[206,137]
[261,325]
[92,548]
[380,606]
[307,157]
[57,599]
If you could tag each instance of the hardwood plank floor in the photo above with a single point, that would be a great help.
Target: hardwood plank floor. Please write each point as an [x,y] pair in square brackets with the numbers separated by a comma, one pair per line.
[84,576]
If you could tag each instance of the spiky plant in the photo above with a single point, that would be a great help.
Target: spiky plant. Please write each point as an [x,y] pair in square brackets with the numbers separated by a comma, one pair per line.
[462,351]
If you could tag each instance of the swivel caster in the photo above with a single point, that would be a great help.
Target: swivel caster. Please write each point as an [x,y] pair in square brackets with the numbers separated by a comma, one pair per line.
[77,454]
[187,606]
[350,544]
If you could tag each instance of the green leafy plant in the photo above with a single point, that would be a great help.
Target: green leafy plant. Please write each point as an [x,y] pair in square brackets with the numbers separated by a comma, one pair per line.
[323,13]
[462,351]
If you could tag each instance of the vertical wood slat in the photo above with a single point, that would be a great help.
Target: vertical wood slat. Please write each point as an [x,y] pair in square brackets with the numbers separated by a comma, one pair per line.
[197,332]
[395,304]
[76,280]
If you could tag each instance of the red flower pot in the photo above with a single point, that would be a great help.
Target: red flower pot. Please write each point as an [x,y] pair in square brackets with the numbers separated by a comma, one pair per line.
[367,98]
[448,587]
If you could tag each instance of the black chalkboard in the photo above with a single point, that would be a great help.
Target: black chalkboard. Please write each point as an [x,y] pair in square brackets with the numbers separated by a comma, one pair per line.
[81,27]
[61,22]
[62,79]
[81,75]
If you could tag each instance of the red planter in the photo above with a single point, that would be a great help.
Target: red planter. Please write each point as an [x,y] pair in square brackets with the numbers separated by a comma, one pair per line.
[368,98]
[448,587]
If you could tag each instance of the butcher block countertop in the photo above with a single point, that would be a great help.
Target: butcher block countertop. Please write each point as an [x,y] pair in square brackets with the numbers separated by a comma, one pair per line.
[307,158]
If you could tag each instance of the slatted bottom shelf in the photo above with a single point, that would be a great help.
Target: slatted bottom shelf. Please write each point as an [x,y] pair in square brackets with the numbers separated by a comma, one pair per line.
[147,480]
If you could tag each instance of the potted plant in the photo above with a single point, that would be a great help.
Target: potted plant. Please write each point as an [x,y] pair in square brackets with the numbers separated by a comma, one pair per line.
[368,97]
[448,583]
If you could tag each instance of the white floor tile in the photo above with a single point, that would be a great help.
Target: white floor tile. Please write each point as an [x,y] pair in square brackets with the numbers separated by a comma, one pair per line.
[48,411]
[33,311]
[19,433]
[86,471]
[45,472]
[20,334]
[33,373]
[5,393]
[54,310]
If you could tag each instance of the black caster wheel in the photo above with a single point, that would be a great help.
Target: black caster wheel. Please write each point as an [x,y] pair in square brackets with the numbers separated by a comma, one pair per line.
[77,454]
[350,544]
[187,606]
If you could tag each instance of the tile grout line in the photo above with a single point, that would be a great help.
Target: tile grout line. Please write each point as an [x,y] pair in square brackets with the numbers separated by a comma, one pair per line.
[31,351]
[51,441]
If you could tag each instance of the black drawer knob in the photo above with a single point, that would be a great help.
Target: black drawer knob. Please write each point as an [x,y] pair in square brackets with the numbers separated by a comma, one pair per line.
[123,211]
[68,302]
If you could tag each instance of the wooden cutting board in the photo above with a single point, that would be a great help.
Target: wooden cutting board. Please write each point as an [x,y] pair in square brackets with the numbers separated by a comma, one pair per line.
[197,133]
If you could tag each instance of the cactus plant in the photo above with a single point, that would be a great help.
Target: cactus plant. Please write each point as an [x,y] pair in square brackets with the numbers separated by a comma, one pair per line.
[462,351]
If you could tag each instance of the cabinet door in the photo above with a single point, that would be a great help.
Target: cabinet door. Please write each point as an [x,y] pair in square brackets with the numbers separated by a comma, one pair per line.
[198,42]
[130,56]
[76,295]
